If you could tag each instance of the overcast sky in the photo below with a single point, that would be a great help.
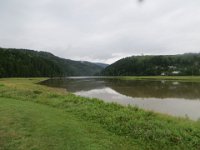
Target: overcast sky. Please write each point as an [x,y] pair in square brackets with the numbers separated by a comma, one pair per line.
[101,30]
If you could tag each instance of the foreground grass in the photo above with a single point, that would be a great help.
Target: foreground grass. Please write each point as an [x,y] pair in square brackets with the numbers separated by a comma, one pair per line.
[39,117]
[25,125]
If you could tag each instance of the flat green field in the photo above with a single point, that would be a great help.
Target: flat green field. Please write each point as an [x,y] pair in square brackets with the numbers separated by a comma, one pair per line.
[42,118]
[177,78]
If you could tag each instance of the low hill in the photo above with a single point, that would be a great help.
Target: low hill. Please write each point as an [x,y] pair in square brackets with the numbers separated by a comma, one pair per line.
[185,64]
[29,63]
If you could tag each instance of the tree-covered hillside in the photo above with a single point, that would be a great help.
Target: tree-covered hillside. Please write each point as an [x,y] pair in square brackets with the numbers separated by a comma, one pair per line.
[29,63]
[186,64]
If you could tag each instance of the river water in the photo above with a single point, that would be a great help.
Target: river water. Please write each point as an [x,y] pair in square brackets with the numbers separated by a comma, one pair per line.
[175,98]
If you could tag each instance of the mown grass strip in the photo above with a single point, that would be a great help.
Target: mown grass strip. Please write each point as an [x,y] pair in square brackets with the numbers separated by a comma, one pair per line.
[27,125]
[170,78]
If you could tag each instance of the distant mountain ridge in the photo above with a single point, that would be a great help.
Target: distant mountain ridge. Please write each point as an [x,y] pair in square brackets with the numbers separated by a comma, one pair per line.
[151,65]
[30,63]
[103,65]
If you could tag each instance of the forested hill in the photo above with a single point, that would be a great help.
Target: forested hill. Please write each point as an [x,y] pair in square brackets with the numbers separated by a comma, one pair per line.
[185,64]
[29,63]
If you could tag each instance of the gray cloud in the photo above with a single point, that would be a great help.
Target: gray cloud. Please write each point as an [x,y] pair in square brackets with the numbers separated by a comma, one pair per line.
[101,30]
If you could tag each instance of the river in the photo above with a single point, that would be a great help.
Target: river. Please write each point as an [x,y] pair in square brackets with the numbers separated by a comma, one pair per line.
[174,98]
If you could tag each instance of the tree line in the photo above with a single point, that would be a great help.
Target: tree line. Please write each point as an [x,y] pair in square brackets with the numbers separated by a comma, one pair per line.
[149,65]
[29,63]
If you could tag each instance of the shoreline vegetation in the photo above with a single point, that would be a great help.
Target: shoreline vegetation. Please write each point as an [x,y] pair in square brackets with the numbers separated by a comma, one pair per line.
[169,78]
[34,116]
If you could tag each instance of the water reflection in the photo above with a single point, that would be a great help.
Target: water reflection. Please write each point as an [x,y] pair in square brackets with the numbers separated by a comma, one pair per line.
[170,97]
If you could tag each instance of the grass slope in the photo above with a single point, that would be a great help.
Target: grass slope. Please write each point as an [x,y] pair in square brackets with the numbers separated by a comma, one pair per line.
[39,117]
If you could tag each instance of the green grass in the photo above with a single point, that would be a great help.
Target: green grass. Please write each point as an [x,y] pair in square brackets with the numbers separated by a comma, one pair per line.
[25,125]
[38,117]
[177,78]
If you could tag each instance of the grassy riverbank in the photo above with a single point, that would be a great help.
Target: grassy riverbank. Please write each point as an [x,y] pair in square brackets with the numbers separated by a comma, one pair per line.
[38,117]
[170,78]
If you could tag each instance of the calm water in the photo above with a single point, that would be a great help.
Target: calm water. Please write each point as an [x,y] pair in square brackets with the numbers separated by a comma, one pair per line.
[174,98]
